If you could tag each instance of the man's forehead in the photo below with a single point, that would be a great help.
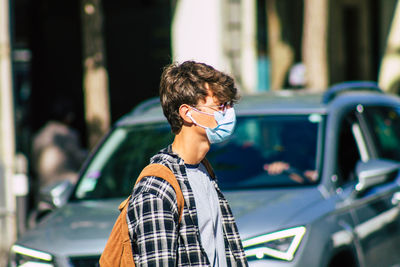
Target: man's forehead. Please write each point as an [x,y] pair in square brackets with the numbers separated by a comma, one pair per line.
[210,98]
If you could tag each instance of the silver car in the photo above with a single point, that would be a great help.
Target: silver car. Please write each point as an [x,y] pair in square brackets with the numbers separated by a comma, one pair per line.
[312,179]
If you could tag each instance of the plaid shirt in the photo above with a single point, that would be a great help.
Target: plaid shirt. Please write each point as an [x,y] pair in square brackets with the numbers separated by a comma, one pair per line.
[156,236]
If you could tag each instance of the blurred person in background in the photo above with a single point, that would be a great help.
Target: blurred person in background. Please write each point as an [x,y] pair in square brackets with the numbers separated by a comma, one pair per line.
[57,153]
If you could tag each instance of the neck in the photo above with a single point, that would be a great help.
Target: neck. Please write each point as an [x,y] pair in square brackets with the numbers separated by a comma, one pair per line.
[191,149]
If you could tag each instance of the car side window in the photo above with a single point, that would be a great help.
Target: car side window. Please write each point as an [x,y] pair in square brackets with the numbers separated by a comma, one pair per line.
[348,153]
[385,130]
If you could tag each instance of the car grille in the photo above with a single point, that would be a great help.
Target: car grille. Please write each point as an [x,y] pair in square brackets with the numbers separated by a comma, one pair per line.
[90,261]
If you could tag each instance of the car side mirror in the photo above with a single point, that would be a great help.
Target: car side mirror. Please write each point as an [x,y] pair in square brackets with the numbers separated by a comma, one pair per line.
[57,194]
[374,172]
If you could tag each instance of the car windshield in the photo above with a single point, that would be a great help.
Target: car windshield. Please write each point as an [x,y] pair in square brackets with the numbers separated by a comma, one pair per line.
[264,151]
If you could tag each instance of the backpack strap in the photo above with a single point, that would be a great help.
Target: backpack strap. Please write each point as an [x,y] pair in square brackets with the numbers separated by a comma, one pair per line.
[209,169]
[165,173]
[118,249]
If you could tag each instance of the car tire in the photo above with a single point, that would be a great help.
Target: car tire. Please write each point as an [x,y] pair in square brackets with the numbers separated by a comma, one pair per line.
[344,258]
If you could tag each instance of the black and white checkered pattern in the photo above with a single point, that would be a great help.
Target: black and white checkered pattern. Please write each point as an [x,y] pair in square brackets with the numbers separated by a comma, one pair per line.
[157,237]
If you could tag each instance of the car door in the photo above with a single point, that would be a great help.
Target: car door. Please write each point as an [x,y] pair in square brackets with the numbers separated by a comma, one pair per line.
[376,211]
[375,217]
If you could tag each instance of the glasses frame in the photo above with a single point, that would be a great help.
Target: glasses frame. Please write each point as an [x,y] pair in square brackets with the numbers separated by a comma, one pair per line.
[220,108]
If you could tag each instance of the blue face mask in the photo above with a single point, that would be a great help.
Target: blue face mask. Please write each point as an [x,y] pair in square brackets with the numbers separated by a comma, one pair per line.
[226,124]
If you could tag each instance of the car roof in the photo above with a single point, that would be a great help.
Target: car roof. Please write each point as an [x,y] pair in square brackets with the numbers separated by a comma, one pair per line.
[276,102]
[298,101]
[281,102]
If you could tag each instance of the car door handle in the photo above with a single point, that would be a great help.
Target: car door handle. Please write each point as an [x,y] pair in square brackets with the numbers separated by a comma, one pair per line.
[396,198]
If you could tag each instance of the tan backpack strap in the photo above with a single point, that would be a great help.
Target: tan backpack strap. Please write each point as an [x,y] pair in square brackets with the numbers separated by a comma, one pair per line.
[210,170]
[165,173]
[124,203]
[123,208]
[118,250]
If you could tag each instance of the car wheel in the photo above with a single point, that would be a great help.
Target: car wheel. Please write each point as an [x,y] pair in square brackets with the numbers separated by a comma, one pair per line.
[343,259]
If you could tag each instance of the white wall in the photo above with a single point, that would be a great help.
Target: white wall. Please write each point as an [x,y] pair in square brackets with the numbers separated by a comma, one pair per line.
[197,32]
[248,45]
[200,32]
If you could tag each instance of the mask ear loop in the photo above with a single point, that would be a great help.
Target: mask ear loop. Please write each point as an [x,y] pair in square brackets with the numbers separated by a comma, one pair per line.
[189,114]
[202,112]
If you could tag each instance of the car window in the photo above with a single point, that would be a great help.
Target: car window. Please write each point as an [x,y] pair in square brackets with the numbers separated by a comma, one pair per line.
[115,167]
[260,142]
[239,163]
[385,130]
[348,151]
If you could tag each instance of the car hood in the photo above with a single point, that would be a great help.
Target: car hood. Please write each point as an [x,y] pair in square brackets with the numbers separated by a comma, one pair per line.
[82,228]
[263,211]
[79,228]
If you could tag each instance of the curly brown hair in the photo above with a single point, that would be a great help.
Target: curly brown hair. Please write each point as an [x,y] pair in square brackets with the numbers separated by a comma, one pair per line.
[186,84]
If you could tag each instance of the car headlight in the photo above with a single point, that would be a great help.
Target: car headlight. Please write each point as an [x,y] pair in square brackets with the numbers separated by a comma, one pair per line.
[279,245]
[27,257]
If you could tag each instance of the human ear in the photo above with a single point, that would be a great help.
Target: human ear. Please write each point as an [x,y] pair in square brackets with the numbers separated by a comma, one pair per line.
[184,112]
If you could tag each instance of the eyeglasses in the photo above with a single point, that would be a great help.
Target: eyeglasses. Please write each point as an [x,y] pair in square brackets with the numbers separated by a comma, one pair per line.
[223,107]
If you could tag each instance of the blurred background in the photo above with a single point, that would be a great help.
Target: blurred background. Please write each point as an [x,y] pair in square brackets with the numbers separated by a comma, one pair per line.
[70,68]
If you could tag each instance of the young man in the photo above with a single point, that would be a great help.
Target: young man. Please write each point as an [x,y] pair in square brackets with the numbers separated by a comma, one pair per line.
[198,103]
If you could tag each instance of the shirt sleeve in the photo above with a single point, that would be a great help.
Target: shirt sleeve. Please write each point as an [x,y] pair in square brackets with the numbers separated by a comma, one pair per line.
[152,224]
